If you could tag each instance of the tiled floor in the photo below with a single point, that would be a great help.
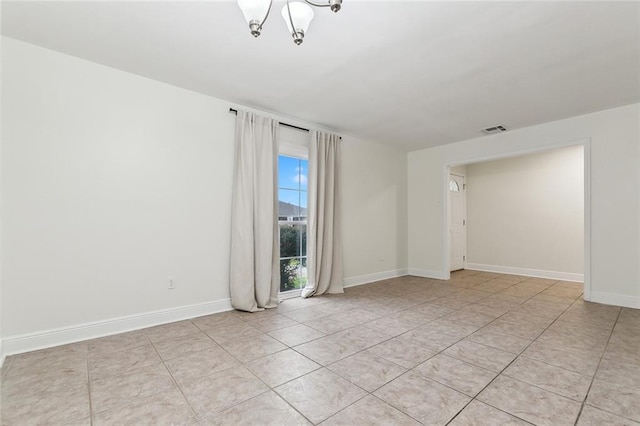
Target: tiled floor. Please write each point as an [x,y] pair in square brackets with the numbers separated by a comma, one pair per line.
[481,349]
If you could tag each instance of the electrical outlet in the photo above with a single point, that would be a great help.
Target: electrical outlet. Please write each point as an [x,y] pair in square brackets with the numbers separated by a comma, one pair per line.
[172,283]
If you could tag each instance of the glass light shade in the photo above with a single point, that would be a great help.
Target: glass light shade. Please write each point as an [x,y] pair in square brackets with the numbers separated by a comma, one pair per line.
[254,10]
[301,13]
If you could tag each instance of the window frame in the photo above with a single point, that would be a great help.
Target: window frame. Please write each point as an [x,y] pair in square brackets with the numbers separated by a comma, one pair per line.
[300,152]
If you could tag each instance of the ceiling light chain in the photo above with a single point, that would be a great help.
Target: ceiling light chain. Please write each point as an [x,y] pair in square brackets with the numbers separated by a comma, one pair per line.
[296,14]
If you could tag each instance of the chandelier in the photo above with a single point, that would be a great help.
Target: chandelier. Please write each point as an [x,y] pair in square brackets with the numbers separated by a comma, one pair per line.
[296,14]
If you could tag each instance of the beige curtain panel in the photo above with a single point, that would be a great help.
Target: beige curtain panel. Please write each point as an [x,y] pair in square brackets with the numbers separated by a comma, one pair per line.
[324,231]
[254,270]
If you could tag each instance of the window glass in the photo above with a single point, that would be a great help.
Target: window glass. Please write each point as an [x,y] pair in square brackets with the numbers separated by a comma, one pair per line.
[292,220]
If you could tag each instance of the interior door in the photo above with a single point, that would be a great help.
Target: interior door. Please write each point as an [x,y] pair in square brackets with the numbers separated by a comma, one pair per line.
[457,222]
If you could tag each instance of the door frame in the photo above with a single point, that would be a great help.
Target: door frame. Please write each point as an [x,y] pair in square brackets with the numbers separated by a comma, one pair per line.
[464,214]
[585,143]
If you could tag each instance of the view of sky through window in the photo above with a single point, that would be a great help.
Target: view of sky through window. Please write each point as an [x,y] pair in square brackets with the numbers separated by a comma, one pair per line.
[292,181]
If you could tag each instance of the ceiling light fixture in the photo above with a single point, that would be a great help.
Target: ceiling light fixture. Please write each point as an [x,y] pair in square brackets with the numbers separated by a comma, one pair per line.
[297,15]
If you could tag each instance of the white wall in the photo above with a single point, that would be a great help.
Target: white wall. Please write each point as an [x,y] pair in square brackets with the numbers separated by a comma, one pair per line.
[112,182]
[375,220]
[615,196]
[527,212]
[1,342]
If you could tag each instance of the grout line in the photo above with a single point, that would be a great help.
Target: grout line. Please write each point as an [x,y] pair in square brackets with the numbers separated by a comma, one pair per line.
[86,357]
[360,296]
[420,325]
[516,357]
[598,367]
[195,416]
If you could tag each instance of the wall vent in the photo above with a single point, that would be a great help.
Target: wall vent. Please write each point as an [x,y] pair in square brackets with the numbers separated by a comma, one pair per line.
[494,129]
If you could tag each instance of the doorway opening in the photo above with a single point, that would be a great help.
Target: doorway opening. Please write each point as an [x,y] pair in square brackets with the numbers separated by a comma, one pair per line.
[531,203]
[457,221]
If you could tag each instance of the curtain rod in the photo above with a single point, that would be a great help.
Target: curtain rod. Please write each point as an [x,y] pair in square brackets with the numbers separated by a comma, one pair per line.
[235,111]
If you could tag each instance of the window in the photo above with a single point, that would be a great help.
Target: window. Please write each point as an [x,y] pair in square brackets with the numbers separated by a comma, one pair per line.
[292,220]
[453,186]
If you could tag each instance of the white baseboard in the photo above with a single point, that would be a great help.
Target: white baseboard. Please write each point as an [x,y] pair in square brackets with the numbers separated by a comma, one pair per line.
[1,354]
[426,273]
[615,299]
[60,336]
[369,278]
[538,273]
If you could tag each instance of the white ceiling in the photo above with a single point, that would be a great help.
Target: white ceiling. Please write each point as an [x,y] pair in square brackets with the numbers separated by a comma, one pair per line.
[411,73]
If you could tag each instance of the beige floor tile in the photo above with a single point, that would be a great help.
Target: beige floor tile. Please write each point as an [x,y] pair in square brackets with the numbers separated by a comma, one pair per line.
[41,363]
[629,314]
[222,390]
[320,394]
[450,302]
[271,323]
[228,333]
[554,300]
[459,375]
[616,398]
[576,329]
[593,346]
[618,371]
[296,335]
[267,409]
[413,317]
[370,411]
[515,316]
[171,331]
[466,316]
[367,370]
[165,408]
[118,342]
[200,364]
[403,351]
[491,311]
[378,331]
[480,355]
[308,314]
[503,342]
[330,324]
[453,328]
[224,319]
[433,340]
[246,350]
[569,359]
[117,363]
[358,316]
[591,416]
[363,336]
[480,414]
[43,380]
[433,311]
[46,408]
[424,400]
[393,326]
[530,403]
[555,379]
[80,422]
[116,391]
[588,318]
[538,311]
[328,349]
[281,367]
[522,329]
[500,300]
[181,346]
